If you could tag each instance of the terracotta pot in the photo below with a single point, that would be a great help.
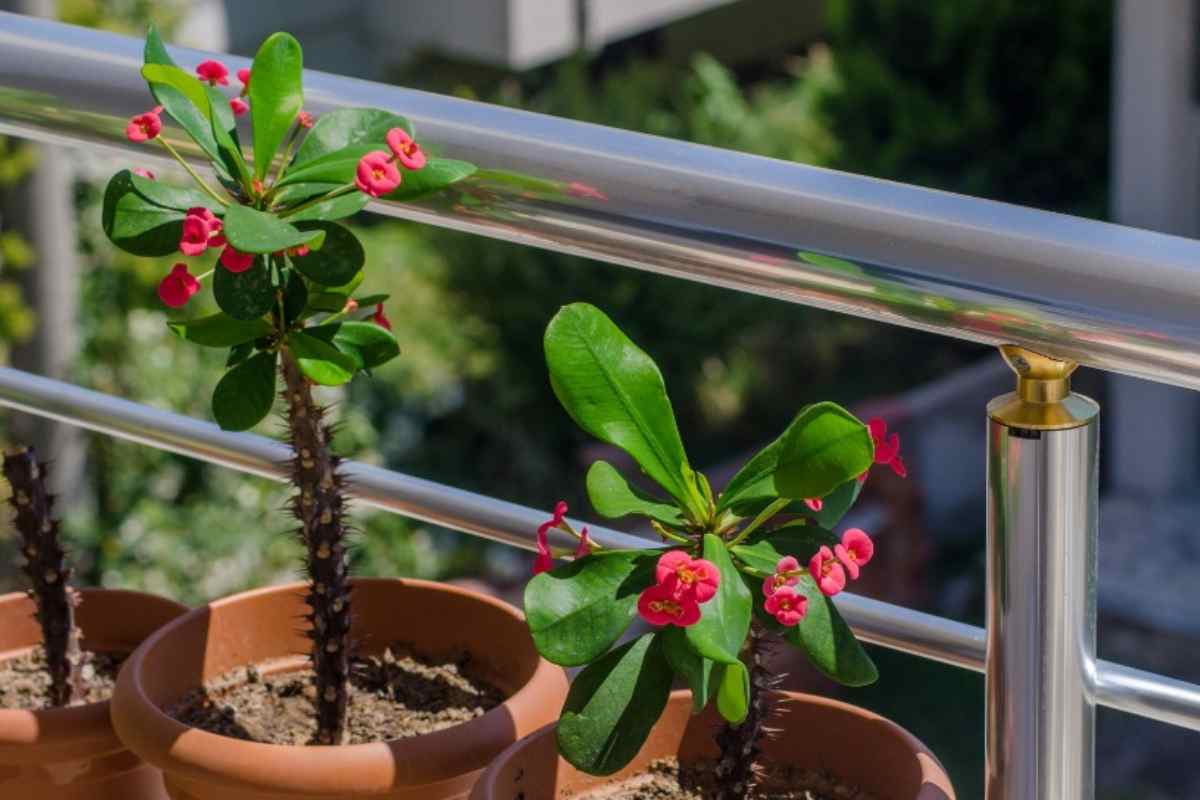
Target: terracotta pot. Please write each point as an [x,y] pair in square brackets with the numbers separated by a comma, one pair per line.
[857,746]
[263,625]
[73,753]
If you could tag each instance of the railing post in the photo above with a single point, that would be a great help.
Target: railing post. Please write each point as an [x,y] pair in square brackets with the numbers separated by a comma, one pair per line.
[1041,572]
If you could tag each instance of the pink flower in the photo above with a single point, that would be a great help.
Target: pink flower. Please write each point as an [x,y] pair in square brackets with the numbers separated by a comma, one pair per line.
[785,575]
[814,503]
[178,287]
[244,76]
[144,173]
[544,560]
[144,126]
[827,572]
[305,119]
[406,151]
[855,551]
[887,448]
[376,174]
[351,305]
[659,605]
[214,72]
[585,544]
[577,189]
[688,577]
[787,605]
[299,251]
[195,236]
[235,261]
[239,106]
[379,318]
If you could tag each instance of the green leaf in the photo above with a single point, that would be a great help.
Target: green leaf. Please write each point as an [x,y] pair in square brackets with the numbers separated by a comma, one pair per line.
[828,641]
[224,130]
[371,299]
[725,619]
[339,259]
[336,130]
[137,225]
[187,85]
[612,497]
[253,231]
[733,693]
[180,198]
[835,504]
[220,330]
[697,670]
[295,297]
[191,118]
[337,208]
[436,175]
[823,448]
[370,345]
[295,193]
[239,353]
[763,550]
[576,611]
[245,394]
[320,361]
[614,391]
[276,96]
[338,167]
[244,295]
[612,705]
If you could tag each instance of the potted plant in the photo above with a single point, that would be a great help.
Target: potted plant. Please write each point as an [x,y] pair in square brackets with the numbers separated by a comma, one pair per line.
[60,648]
[754,564]
[412,687]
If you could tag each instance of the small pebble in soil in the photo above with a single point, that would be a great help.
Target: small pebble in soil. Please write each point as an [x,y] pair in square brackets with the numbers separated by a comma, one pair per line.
[24,683]
[392,696]
[667,780]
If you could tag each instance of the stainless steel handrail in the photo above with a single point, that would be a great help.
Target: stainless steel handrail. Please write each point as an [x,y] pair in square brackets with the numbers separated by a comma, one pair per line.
[1112,297]
[1123,688]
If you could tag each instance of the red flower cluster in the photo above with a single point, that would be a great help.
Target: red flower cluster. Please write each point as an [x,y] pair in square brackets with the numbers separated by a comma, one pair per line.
[214,72]
[144,127]
[178,287]
[545,559]
[201,230]
[887,448]
[377,173]
[683,583]
[829,567]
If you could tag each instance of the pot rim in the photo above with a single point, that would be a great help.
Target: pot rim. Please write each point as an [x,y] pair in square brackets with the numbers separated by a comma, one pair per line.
[51,734]
[935,782]
[316,770]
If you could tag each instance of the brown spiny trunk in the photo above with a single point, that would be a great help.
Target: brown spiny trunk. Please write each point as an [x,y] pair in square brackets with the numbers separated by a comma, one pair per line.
[49,575]
[737,767]
[319,506]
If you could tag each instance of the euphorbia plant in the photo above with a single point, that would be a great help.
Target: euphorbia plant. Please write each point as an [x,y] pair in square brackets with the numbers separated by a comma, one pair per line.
[757,560]
[284,280]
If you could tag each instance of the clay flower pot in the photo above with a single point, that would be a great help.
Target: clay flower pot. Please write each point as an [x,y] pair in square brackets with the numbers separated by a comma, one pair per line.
[858,747]
[73,753]
[264,625]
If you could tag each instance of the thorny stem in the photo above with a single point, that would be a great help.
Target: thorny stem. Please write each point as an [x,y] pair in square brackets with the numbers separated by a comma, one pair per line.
[738,770]
[319,506]
[195,175]
[48,573]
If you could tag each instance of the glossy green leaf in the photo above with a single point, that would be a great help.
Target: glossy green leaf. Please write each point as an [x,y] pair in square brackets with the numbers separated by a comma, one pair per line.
[835,504]
[702,674]
[276,96]
[245,394]
[339,259]
[828,641]
[244,295]
[763,549]
[337,168]
[823,448]
[253,231]
[187,85]
[220,330]
[725,619]
[370,345]
[337,208]
[224,130]
[239,353]
[343,127]
[294,194]
[576,611]
[436,175]
[371,299]
[614,391]
[180,198]
[320,361]
[612,497]
[187,114]
[295,297]
[612,705]
[733,693]
[137,225]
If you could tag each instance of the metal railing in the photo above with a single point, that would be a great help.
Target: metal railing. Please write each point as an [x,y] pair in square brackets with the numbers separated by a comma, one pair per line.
[1100,294]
